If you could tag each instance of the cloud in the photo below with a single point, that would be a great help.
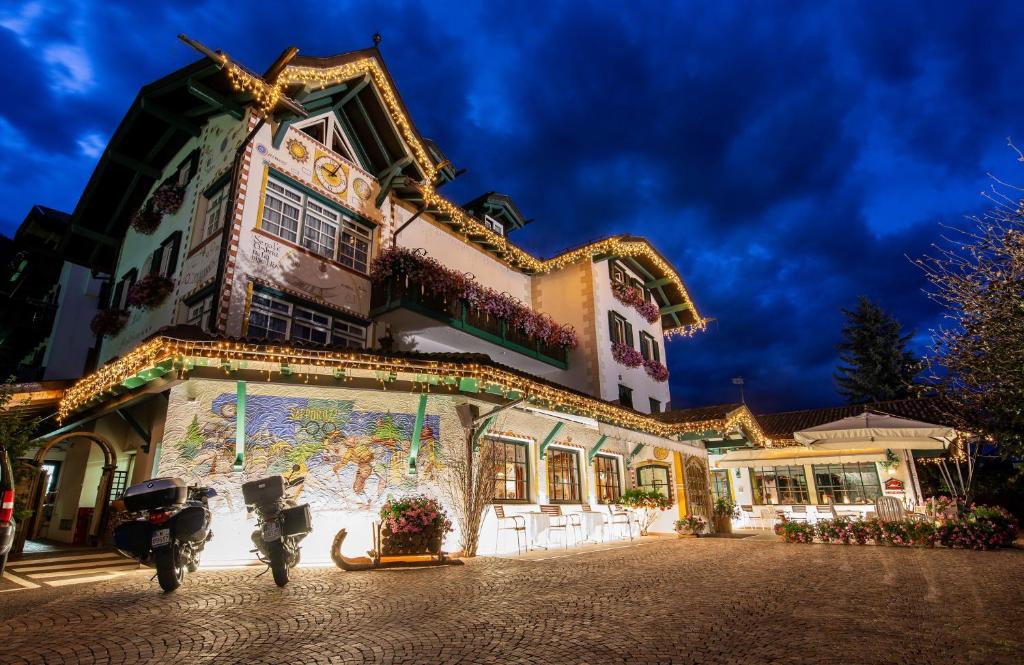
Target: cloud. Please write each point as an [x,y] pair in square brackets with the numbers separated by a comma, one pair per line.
[92,145]
[70,68]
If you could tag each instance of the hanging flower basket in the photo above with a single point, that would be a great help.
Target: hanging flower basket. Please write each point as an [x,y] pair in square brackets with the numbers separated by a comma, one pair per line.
[626,355]
[413,525]
[656,370]
[631,297]
[146,220]
[167,199]
[414,269]
[108,322]
[149,292]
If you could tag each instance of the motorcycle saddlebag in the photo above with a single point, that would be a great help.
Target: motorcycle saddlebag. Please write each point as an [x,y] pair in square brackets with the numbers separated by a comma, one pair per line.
[192,523]
[263,491]
[155,493]
[133,538]
[297,521]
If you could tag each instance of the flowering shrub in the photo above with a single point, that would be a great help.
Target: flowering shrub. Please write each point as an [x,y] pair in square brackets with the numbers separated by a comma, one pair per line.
[982,528]
[146,220]
[941,508]
[656,370]
[149,291]
[839,530]
[412,515]
[691,524]
[435,279]
[648,503]
[631,297]
[627,355]
[108,322]
[167,199]
[794,532]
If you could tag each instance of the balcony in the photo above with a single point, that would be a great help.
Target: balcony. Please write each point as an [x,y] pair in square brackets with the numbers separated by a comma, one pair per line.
[402,293]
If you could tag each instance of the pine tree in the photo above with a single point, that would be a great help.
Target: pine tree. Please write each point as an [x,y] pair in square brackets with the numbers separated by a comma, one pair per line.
[877,365]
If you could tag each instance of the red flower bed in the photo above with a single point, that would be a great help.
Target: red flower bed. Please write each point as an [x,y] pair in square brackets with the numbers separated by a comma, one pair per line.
[437,280]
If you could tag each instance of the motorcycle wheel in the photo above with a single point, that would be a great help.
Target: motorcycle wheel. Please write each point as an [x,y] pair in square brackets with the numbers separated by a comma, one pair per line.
[168,572]
[278,562]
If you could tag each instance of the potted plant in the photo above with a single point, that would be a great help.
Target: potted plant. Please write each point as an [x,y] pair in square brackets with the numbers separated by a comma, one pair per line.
[412,525]
[723,512]
[647,503]
[691,526]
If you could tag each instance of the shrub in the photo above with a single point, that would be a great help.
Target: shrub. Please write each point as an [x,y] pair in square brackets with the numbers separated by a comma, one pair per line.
[795,532]
[982,528]
[691,524]
[648,502]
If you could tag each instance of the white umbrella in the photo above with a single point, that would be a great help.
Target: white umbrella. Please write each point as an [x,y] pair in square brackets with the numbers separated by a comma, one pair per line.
[876,430]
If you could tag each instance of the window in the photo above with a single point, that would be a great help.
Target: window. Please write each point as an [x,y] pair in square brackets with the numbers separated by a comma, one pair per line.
[653,477]
[775,485]
[625,396]
[511,472]
[198,313]
[649,347]
[324,230]
[608,485]
[618,274]
[327,131]
[275,318]
[655,405]
[563,476]
[619,329]
[120,295]
[52,467]
[164,259]
[215,212]
[847,483]
[494,225]
[720,485]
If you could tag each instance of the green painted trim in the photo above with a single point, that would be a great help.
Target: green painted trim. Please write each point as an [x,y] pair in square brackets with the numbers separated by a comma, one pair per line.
[592,453]
[414,444]
[373,131]
[672,309]
[698,436]
[172,119]
[543,450]
[215,99]
[469,385]
[635,452]
[329,91]
[635,265]
[664,281]
[280,132]
[480,431]
[239,426]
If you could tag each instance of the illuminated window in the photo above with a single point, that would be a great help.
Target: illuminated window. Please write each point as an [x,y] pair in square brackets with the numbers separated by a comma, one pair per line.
[608,481]
[563,476]
[720,485]
[276,318]
[511,471]
[654,477]
[847,483]
[779,485]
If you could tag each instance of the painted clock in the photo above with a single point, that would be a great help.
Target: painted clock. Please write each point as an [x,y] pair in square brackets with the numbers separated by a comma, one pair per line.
[330,174]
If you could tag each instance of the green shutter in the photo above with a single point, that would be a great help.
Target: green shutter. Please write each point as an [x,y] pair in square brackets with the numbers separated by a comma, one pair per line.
[656,349]
[645,349]
[611,326]
[154,266]
[629,335]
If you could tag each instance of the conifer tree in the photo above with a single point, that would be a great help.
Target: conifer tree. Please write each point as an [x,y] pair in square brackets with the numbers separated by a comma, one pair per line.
[876,363]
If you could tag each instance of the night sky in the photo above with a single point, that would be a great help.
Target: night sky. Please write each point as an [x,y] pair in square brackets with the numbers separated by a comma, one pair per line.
[786,160]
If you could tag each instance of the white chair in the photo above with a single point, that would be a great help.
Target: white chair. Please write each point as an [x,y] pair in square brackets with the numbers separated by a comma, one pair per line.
[825,511]
[747,515]
[767,516]
[515,523]
[557,521]
[798,514]
[621,517]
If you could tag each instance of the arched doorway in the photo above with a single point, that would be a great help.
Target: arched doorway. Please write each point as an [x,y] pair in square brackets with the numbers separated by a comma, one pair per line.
[698,495]
[37,488]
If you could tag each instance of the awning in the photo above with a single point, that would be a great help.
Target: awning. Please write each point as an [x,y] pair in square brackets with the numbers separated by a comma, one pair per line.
[794,456]
[876,430]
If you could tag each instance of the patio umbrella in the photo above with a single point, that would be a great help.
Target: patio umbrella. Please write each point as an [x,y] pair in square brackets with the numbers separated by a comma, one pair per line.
[876,430]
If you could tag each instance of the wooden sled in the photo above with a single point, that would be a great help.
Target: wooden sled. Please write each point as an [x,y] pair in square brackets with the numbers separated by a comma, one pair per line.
[376,560]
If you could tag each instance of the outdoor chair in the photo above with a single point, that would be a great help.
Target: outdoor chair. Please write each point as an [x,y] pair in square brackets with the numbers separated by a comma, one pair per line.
[515,523]
[556,521]
[797,514]
[825,512]
[620,517]
[747,513]
[767,516]
[890,509]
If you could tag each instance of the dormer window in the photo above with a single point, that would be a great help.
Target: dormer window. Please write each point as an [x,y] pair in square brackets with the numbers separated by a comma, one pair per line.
[327,130]
[494,225]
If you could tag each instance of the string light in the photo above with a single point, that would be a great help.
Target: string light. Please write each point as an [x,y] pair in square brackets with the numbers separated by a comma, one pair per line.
[267,95]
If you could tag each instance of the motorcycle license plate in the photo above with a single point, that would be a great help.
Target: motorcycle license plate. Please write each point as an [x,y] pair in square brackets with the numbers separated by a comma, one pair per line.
[161,537]
[271,531]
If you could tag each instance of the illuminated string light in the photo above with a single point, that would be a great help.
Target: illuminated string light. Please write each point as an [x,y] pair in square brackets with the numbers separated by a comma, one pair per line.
[267,95]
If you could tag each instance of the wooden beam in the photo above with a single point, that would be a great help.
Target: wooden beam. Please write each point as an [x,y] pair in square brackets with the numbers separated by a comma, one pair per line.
[671,309]
[134,164]
[316,94]
[543,450]
[417,428]
[279,133]
[215,99]
[593,451]
[644,272]
[172,119]
[658,282]
[350,95]
[94,236]
[481,430]
[373,130]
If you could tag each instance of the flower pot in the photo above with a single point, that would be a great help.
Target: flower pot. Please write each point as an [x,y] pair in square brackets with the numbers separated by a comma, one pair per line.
[686,535]
[723,524]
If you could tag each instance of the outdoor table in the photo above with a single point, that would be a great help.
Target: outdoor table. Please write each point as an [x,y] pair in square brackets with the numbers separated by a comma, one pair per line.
[592,523]
[537,524]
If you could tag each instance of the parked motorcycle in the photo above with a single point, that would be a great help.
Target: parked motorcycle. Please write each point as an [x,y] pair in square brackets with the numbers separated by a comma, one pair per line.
[281,524]
[168,525]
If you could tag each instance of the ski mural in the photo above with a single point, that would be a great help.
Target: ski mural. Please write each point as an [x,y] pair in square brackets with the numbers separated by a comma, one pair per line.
[351,459]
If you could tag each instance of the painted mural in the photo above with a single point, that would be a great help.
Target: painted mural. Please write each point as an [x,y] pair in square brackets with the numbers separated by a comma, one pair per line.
[350,459]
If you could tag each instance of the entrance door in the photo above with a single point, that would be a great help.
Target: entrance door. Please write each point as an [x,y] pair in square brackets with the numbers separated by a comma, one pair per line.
[698,498]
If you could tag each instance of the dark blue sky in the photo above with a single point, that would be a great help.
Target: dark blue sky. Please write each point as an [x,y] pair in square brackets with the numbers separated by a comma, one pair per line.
[786,156]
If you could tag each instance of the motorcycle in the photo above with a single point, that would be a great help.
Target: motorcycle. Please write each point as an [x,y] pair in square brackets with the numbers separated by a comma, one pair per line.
[167,527]
[281,523]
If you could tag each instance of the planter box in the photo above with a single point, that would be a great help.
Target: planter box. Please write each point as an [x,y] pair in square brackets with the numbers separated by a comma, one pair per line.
[405,544]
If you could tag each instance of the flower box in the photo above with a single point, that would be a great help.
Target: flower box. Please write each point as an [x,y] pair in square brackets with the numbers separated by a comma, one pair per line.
[411,526]
[149,292]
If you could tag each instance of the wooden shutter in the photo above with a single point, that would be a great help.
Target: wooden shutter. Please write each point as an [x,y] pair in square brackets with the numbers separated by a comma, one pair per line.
[154,264]
[612,328]
[656,349]
[172,245]
[645,345]
[629,335]
[115,301]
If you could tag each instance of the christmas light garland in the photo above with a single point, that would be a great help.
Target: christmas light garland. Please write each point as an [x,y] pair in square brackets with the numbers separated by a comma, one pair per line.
[267,95]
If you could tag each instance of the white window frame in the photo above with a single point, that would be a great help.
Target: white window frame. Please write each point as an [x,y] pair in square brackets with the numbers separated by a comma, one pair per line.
[217,205]
[198,313]
[333,127]
[352,240]
[298,316]
[494,225]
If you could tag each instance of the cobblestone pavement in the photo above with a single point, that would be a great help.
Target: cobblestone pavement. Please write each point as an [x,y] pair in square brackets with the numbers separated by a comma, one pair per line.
[661,601]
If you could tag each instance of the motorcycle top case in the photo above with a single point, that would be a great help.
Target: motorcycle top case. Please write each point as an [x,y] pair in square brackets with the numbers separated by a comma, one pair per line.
[263,491]
[297,520]
[155,493]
